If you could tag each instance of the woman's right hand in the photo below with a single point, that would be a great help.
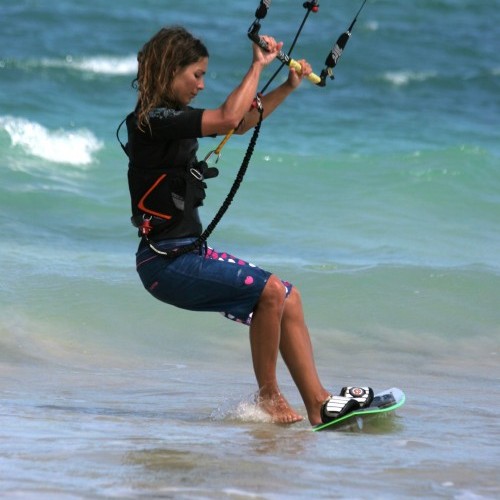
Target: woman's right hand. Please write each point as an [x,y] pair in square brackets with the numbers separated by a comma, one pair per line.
[266,56]
[229,115]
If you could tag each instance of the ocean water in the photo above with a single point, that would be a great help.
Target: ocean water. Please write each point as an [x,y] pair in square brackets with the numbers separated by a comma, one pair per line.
[378,196]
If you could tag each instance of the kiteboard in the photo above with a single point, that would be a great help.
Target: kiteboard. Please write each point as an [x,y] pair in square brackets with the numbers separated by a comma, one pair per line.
[383,402]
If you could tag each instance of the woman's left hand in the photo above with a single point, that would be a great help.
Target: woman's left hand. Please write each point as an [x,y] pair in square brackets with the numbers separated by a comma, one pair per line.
[294,78]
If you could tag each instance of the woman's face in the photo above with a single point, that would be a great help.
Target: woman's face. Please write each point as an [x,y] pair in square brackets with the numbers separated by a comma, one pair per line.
[188,81]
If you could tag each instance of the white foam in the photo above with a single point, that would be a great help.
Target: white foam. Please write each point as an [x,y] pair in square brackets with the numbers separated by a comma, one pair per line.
[108,65]
[249,412]
[400,78]
[372,25]
[104,65]
[244,411]
[75,147]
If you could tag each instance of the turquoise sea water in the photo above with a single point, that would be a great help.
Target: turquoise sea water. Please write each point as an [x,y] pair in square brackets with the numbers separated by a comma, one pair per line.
[377,196]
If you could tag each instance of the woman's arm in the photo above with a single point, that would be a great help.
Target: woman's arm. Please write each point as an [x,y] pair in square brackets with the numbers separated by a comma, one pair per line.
[231,112]
[274,98]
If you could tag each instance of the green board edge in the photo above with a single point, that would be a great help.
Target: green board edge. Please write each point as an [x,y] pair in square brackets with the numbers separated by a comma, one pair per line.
[365,411]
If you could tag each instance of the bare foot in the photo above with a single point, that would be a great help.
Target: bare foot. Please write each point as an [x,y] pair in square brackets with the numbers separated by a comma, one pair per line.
[314,409]
[278,408]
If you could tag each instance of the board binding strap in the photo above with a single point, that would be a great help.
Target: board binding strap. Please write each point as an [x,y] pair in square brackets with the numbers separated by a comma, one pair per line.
[356,403]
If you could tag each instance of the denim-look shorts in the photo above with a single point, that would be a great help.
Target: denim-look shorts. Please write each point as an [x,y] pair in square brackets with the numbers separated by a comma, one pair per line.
[203,280]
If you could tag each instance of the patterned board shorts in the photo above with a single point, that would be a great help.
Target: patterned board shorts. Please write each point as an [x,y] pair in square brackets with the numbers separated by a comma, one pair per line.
[203,280]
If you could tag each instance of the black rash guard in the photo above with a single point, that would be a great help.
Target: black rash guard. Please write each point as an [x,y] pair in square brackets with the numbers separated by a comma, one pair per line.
[161,157]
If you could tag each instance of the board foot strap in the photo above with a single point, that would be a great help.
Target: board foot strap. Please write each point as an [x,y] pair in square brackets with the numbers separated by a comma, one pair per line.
[363,395]
[337,406]
[350,399]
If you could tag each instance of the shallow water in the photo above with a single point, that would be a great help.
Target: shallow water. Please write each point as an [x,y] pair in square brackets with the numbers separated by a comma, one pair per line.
[377,196]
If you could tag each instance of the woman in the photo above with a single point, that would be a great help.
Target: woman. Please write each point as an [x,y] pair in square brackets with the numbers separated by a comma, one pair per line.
[162,145]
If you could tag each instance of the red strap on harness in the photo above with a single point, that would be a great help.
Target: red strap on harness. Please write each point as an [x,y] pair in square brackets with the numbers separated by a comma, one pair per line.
[145,227]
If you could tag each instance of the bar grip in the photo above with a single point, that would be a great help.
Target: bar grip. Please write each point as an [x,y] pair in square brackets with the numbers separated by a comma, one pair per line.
[284,58]
[312,77]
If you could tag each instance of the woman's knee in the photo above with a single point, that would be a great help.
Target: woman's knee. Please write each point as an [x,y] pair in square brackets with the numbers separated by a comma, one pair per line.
[274,293]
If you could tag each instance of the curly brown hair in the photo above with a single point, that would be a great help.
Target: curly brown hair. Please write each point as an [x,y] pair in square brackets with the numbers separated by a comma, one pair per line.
[171,49]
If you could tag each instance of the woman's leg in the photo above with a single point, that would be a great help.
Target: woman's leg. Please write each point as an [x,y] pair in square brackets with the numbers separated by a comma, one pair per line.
[278,325]
[265,333]
[296,350]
